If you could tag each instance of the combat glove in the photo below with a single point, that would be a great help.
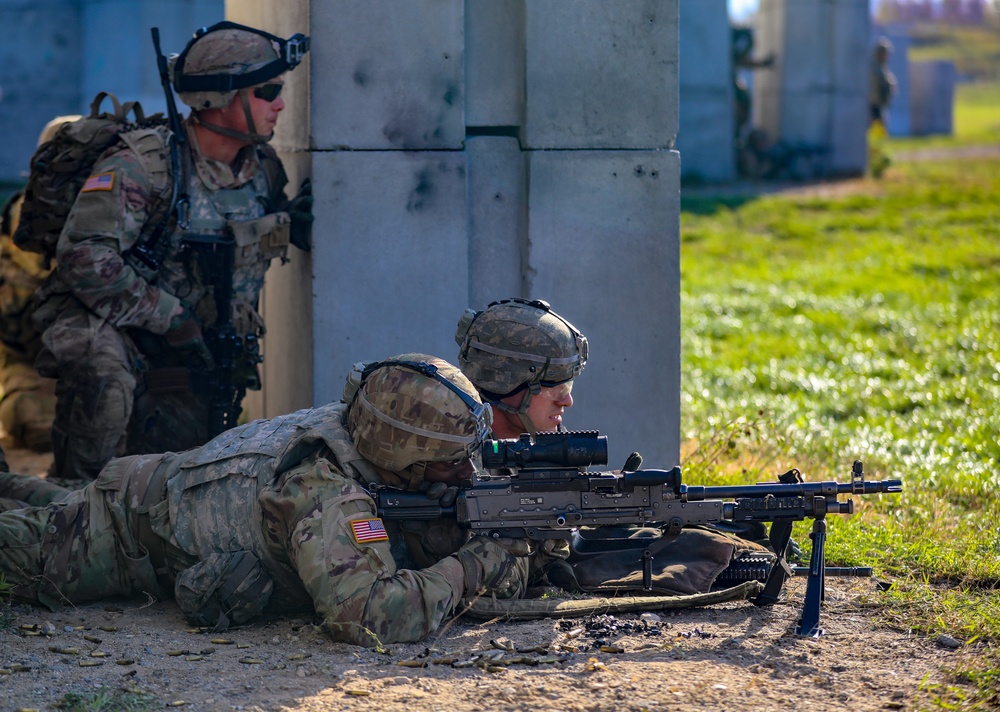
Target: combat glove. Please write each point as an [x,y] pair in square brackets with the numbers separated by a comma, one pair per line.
[445,494]
[185,336]
[300,211]
[498,567]
[549,554]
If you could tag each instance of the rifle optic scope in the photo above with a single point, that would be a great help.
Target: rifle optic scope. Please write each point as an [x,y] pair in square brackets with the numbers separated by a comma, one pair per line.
[580,448]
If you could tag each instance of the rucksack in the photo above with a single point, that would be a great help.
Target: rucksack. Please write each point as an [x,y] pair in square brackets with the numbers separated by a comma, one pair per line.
[61,165]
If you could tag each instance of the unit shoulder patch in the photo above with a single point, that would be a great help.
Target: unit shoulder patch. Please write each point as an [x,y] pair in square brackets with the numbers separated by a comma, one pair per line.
[102,181]
[367,531]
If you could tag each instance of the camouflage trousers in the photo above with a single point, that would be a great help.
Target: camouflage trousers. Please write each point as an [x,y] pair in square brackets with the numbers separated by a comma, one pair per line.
[104,408]
[80,547]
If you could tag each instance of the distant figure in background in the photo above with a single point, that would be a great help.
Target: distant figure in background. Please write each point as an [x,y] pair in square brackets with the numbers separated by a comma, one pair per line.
[742,59]
[882,83]
[27,401]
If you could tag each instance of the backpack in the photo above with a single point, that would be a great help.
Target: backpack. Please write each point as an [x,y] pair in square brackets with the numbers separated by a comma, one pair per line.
[61,165]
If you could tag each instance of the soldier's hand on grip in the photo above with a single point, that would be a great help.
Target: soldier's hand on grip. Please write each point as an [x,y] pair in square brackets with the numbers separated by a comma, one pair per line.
[440,491]
[185,336]
[497,567]
[300,211]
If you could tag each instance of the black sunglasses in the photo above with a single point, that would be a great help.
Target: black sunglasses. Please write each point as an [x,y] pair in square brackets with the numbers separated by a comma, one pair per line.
[268,92]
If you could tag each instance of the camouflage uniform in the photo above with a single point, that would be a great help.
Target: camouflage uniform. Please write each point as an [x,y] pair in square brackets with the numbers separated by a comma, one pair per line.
[27,401]
[272,516]
[881,82]
[109,318]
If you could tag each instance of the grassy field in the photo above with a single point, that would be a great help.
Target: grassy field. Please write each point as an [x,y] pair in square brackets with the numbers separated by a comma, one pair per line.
[820,330]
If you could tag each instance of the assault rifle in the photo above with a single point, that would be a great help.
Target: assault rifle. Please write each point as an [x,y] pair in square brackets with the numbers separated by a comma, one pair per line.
[215,253]
[539,488]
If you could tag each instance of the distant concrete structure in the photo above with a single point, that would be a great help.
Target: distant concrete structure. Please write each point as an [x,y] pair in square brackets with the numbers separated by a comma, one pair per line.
[707,116]
[118,51]
[58,54]
[932,97]
[465,151]
[814,101]
[899,65]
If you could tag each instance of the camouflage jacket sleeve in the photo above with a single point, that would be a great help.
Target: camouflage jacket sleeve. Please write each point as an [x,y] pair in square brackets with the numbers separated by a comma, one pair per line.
[106,220]
[277,179]
[327,524]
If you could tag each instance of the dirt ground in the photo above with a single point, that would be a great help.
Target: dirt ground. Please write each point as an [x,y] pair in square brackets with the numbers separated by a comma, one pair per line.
[731,656]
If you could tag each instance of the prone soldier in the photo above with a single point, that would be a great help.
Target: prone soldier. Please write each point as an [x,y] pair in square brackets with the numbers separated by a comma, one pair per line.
[275,515]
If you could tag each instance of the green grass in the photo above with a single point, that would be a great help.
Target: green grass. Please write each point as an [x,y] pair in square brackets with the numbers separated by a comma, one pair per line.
[817,331]
[105,699]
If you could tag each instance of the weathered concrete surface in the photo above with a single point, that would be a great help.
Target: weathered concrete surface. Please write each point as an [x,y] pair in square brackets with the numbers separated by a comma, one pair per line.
[707,116]
[816,97]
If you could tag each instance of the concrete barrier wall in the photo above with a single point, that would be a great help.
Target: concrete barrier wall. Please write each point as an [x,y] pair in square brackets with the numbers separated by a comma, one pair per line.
[463,152]
[932,97]
[40,56]
[63,53]
[817,96]
[118,51]
[707,115]
[288,301]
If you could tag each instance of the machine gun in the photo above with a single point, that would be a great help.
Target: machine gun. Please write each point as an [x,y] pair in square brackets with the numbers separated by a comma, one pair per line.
[539,488]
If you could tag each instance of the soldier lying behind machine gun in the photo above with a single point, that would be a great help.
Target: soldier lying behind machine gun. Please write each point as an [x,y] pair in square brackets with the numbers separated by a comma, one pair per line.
[540,488]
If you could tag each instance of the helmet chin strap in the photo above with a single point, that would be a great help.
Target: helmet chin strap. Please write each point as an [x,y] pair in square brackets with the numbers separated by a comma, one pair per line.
[522,410]
[252,137]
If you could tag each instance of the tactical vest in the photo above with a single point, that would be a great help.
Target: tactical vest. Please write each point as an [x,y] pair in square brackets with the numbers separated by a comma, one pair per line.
[213,494]
[236,213]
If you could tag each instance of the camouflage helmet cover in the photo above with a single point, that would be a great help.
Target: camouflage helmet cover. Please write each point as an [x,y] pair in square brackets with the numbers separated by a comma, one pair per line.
[414,408]
[226,57]
[515,342]
[222,52]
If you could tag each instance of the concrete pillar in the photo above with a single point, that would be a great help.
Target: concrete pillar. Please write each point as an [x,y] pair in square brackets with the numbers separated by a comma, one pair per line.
[466,151]
[287,304]
[40,56]
[707,117]
[932,97]
[816,97]
[63,53]
[118,51]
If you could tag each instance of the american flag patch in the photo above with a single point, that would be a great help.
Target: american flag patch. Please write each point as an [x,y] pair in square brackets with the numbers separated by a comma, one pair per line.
[368,530]
[102,181]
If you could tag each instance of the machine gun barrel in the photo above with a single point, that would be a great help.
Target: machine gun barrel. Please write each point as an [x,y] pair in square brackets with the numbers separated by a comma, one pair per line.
[696,493]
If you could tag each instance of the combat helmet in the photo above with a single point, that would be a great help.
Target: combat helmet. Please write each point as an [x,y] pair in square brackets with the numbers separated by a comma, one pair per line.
[516,344]
[409,410]
[224,60]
